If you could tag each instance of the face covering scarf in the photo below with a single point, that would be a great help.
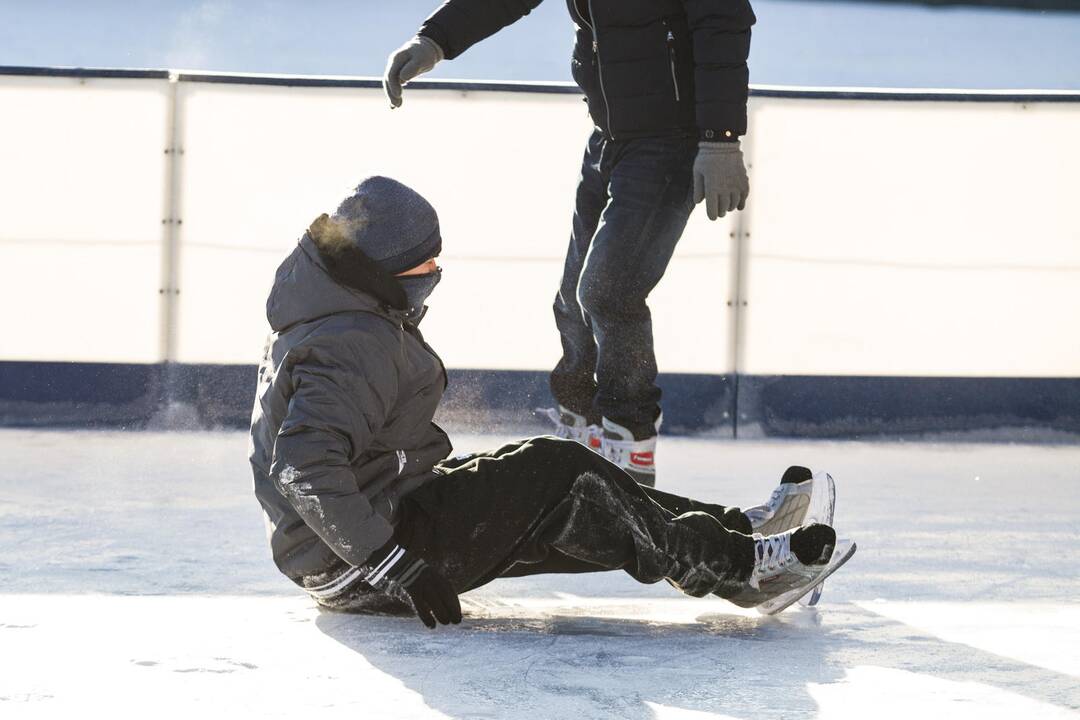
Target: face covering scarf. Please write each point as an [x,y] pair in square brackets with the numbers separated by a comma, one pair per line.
[417,289]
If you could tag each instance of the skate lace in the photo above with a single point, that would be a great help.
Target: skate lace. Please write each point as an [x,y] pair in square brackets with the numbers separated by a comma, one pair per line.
[589,435]
[771,553]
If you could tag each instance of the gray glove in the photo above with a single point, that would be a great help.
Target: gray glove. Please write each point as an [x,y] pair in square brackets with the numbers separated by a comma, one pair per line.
[720,178]
[415,57]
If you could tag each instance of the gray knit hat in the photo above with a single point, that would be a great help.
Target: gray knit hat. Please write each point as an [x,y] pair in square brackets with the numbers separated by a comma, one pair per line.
[390,223]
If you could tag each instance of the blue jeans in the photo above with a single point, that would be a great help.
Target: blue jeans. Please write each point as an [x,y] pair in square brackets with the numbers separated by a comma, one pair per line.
[633,200]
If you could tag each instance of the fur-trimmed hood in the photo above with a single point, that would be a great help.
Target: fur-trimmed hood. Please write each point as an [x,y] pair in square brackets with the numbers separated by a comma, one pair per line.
[321,277]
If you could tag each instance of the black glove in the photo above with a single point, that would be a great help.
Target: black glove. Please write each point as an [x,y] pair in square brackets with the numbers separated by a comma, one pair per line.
[431,594]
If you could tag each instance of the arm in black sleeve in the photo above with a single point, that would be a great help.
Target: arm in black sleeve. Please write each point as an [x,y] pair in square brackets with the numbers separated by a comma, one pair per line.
[460,24]
[721,37]
[341,399]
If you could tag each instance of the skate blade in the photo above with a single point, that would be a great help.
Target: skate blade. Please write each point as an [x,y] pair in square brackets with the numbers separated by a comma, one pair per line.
[812,599]
[822,501]
[822,510]
[843,552]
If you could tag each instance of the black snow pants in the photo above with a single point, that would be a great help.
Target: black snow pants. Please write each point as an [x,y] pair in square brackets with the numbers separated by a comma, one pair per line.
[547,505]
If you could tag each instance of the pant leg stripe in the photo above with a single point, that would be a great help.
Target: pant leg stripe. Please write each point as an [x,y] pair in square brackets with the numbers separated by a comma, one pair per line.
[384,567]
[335,587]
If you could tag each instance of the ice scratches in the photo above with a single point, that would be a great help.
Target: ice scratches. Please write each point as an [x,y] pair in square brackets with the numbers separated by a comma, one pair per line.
[655,618]
[224,666]
[9,626]
[715,625]
[26,697]
[735,626]
[601,627]
[532,659]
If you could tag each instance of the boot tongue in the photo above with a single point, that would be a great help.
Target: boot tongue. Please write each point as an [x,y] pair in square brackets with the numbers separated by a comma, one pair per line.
[796,474]
[813,544]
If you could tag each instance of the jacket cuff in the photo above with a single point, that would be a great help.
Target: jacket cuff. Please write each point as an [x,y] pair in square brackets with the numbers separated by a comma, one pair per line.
[718,135]
[719,147]
[382,563]
[436,47]
[434,33]
[392,563]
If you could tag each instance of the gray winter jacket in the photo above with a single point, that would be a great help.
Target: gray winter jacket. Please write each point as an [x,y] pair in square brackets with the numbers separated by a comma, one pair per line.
[341,428]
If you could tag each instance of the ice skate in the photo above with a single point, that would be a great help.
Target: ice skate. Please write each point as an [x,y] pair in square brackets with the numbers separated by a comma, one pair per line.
[636,457]
[801,498]
[570,425]
[789,565]
[842,552]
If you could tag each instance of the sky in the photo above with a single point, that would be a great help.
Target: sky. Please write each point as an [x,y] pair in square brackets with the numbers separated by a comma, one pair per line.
[796,42]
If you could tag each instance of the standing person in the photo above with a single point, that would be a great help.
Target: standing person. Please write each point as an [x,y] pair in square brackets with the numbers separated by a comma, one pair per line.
[666,83]
[365,512]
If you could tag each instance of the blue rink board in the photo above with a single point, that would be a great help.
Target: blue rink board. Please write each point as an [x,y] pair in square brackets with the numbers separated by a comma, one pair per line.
[43,394]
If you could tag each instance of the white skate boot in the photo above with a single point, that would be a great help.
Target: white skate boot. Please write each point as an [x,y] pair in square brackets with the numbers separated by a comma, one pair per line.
[570,425]
[789,565]
[801,498]
[636,457]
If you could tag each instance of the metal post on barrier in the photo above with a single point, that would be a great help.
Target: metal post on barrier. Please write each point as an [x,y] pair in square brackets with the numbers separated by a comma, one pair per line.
[739,260]
[171,222]
[169,291]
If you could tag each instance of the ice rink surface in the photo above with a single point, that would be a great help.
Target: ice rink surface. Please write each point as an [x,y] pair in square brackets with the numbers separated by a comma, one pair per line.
[135,580]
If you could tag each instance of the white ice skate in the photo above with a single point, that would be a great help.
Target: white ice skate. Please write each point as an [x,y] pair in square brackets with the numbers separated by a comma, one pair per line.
[842,552]
[801,498]
[570,425]
[636,457]
[779,578]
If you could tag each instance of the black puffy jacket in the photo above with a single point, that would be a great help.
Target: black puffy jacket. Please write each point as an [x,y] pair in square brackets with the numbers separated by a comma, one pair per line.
[341,429]
[648,67]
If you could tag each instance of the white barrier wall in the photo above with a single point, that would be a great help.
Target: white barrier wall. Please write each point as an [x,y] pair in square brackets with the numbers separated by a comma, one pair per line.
[882,238]
[913,238]
[260,163]
[82,196]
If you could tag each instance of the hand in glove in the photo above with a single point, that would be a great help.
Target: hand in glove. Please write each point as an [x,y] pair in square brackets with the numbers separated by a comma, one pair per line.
[415,57]
[720,178]
[431,594]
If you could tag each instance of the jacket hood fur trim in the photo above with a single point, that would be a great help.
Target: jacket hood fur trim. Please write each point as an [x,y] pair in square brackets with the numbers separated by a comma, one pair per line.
[348,265]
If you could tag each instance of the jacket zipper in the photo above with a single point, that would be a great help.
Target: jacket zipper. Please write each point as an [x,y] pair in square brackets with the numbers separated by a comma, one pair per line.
[599,67]
[418,336]
[671,58]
